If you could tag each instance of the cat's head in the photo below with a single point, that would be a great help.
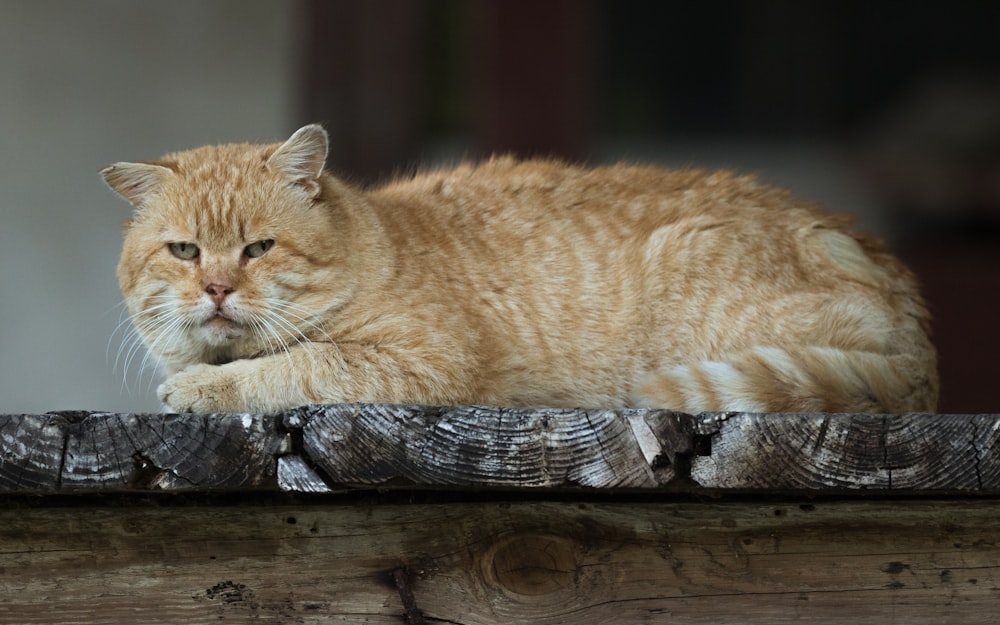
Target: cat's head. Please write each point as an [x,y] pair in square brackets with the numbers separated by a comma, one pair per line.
[232,250]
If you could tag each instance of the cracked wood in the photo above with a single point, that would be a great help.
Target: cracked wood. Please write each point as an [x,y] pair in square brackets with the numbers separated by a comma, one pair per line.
[827,452]
[372,444]
[86,452]
[320,449]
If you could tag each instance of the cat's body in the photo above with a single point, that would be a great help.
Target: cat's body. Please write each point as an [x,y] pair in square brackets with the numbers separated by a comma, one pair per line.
[515,283]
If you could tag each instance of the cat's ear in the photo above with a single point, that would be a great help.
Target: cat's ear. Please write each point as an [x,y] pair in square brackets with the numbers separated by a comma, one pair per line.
[303,157]
[136,182]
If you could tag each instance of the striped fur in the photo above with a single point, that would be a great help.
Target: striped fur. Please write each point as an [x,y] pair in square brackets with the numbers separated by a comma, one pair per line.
[509,282]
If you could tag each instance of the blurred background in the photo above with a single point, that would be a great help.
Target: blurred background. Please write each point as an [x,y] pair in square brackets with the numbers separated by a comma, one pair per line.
[890,110]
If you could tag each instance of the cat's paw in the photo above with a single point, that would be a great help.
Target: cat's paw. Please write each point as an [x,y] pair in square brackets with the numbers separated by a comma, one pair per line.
[201,388]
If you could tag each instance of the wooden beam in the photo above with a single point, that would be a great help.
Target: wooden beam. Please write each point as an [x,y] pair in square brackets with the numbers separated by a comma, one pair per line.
[368,444]
[107,452]
[857,452]
[340,560]
[479,515]
[323,448]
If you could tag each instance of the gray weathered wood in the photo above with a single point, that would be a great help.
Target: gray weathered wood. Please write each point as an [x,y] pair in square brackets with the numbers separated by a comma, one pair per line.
[902,453]
[366,444]
[31,452]
[921,562]
[84,452]
[295,475]
[173,452]
[317,449]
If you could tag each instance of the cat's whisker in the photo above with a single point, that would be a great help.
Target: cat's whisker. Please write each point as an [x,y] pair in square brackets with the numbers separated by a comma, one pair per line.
[127,321]
[172,334]
[122,329]
[310,354]
[146,325]
[129,342]
[133,319]
[122,308]
[290,328]
[274,323]
[174,324]
[290,307]
[268,328]
[292,310]
[133,344]
[262,332]
[137,345]
[133,341]
[296,332]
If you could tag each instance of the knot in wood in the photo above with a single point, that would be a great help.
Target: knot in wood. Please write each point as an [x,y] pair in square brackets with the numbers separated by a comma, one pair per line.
[533,565]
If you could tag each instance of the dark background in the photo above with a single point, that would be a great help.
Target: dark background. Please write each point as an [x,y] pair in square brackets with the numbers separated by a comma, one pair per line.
[905,95]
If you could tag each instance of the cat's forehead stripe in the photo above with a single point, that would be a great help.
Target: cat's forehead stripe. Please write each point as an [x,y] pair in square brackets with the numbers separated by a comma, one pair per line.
[220,197]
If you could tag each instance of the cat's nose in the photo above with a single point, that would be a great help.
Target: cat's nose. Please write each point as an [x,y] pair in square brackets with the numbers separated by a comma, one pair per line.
[218,292]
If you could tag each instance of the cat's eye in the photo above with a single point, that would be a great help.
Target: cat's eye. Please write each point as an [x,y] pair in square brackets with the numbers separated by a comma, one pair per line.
[257,249]
[184,251]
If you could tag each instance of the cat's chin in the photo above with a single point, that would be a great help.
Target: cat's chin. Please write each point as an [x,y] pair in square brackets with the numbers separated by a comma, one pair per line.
[220,330]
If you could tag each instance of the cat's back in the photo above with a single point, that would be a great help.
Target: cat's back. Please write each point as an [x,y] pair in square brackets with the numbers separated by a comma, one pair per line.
[637,234]
[689,224]
[505,190]
[648,265]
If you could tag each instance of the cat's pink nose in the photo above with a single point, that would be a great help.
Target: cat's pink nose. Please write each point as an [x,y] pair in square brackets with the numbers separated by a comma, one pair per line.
[218,292]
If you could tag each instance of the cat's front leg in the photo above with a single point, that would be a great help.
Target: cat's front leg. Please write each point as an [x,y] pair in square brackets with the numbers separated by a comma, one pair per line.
[238,386]
[324,373]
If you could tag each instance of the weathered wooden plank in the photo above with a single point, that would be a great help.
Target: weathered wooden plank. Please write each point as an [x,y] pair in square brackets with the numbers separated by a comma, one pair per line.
[912,452]
[846,562]
[171,452]
[31,452]
[318,448]
[78,452]
[368,444]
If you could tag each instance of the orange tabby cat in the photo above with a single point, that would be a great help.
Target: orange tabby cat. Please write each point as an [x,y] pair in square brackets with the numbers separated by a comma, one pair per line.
[260,282]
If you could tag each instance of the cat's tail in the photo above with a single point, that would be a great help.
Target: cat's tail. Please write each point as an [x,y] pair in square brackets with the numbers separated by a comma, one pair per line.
[800,379]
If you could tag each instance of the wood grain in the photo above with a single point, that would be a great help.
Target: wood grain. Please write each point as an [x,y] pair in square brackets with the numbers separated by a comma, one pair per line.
[82,452]
[172,452]
[912,452]
[318,449]
[793,561]
[369,444]
[295,475]
[31,452]
[331,557]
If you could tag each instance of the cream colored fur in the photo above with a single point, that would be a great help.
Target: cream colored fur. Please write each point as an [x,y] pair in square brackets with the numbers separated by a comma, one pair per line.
[507,282]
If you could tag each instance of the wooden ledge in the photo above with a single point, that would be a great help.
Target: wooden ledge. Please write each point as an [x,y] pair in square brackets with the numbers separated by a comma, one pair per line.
[583,548]
[318,449]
